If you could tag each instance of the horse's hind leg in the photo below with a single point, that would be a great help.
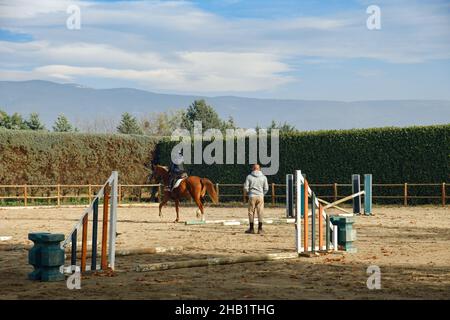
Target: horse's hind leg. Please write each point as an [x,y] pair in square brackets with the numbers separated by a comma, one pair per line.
[199,202]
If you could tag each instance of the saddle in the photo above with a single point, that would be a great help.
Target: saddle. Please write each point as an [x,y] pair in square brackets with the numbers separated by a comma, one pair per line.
[177,181]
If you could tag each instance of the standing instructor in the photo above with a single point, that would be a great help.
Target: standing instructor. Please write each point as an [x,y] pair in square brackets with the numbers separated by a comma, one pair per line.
[256,187]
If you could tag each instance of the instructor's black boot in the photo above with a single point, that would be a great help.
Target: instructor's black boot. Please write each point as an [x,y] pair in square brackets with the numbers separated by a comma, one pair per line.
[250,230]
[260,229]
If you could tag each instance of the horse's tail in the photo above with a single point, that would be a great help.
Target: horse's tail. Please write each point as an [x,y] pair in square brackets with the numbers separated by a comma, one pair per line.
[206,183]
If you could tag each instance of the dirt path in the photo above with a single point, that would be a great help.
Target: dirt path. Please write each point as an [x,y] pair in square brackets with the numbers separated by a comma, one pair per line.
[410,245]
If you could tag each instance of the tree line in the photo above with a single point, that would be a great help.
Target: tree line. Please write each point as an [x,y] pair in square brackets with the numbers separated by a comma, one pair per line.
[17,122]
[154,124]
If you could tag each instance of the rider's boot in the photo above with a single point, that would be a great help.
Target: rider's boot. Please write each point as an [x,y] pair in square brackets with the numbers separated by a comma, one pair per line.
[171,179]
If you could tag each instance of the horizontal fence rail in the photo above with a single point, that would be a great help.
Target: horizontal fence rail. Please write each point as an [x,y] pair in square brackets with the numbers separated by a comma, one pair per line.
[61,194]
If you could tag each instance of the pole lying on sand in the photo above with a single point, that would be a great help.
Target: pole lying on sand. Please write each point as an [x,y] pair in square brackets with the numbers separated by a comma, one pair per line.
[214,261]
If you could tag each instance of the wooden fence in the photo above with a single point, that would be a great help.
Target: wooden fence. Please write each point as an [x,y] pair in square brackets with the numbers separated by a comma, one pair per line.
[61,194]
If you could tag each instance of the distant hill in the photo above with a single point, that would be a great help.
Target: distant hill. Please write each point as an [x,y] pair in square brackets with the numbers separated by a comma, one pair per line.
[77,102]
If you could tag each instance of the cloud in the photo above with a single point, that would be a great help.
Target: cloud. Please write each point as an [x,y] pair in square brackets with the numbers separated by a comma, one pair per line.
[27,9]
[198,71]
[174,45]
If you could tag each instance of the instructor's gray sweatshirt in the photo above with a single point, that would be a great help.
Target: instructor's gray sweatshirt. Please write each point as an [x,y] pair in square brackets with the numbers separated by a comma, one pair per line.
[256,184]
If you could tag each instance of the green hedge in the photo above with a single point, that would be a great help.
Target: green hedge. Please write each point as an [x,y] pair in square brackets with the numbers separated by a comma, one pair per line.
[392,155]
[31,157]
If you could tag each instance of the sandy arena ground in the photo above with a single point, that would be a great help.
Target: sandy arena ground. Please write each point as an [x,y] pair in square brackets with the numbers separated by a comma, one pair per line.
[411,245]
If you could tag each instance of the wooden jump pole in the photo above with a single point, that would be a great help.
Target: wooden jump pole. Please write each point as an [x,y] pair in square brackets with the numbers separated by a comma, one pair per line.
[331,205]
[443,194]
[305,216]
[214,261]
[84,243]
[336,207]
[356,188]
[107,253]
[104,257]
[368,194]
[320,227]
[73,256]
[94,234]
[313,223]
[327,233]
[298,211]
[335,237]
[289,195]
[151,250]
[113,219]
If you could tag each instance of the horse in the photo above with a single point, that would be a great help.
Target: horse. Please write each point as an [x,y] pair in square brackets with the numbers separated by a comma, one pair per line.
[191,187]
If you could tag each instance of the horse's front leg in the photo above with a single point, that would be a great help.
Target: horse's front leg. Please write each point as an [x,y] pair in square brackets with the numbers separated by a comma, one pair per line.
[162,204]
[177,209]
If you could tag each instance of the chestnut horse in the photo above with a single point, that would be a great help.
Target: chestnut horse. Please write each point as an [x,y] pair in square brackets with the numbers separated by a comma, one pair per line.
[191,187]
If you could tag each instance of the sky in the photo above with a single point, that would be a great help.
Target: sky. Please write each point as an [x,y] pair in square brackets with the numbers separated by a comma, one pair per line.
[318,50]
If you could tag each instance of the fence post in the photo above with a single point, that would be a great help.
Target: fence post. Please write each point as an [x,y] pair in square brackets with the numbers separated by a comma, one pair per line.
[443,194]
[58,190]
[25,195]
[90,193]
[120,194]
[218,194]
[405,194]
[273,193]
[335,190]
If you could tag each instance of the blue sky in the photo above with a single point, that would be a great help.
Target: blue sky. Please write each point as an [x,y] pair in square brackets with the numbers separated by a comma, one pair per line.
[257,48]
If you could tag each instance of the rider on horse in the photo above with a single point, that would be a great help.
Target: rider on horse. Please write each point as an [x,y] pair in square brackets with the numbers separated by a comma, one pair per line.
[176,169]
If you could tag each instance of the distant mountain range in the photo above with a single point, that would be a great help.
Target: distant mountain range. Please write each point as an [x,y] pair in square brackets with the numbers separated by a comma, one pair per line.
[77,102]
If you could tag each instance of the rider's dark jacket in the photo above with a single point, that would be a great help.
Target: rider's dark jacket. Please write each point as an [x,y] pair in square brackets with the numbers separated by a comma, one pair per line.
[177,166]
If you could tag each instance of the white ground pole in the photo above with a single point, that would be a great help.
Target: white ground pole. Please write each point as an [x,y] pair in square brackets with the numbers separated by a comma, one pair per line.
[298,211]
[113,219]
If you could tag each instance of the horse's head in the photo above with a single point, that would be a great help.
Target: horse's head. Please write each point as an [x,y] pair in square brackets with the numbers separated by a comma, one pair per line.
[158,173]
